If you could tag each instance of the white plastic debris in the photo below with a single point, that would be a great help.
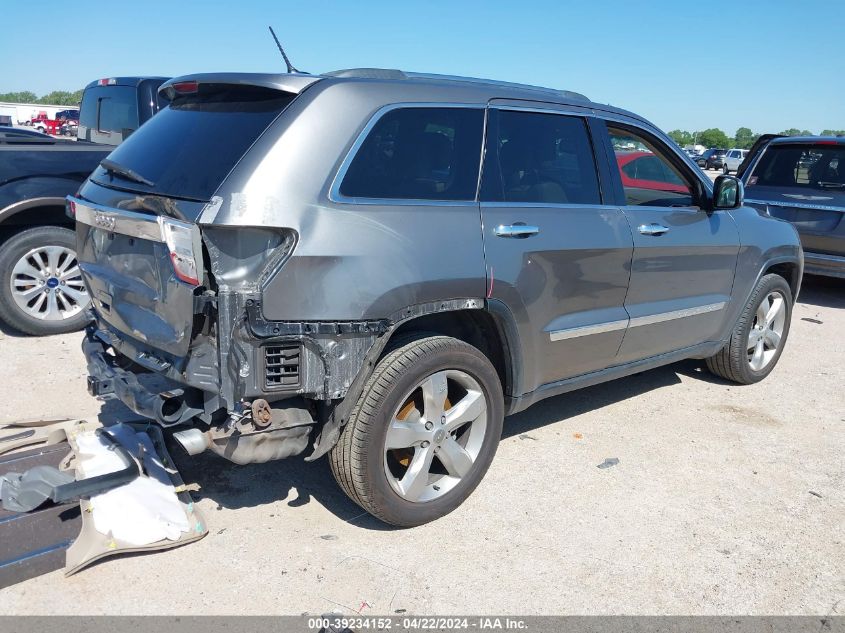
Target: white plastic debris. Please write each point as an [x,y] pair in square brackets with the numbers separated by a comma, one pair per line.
[142,512]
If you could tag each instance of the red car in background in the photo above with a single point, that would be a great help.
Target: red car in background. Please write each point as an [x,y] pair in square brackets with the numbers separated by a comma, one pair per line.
[644,170]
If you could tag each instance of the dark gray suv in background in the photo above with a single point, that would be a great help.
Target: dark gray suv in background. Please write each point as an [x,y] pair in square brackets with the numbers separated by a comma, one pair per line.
[382,265]
[802,179]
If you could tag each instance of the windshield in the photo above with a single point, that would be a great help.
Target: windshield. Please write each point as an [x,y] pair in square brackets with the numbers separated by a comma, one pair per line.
[189,148]
[803,166]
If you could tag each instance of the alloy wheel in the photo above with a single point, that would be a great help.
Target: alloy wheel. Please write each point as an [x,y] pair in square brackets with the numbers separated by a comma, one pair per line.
[435,436]
[764,338]
[47,284]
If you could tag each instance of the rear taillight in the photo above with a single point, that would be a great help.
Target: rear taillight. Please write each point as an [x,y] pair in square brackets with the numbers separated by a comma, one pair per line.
[70,209]
[185,87]
[179,238]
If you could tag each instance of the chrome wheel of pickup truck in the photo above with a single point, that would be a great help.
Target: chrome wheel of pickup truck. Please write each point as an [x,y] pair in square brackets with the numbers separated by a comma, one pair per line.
[42,291]
[47,284]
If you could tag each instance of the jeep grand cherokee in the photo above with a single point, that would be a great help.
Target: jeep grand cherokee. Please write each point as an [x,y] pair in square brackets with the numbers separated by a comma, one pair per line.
[382,265]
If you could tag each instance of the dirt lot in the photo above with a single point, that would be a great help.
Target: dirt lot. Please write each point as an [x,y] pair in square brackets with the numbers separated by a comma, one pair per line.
[725,500]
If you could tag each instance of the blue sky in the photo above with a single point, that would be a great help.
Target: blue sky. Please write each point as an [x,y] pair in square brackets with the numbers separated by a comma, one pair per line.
[764,64]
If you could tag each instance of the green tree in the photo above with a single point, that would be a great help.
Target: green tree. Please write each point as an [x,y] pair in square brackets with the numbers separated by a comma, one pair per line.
[833,133]
[744,138]
[62,97]
[793,131]
[19,97]
[681,137]
[714,137]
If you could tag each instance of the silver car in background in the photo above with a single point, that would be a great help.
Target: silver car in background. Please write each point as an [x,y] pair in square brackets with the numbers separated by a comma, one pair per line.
[733,159]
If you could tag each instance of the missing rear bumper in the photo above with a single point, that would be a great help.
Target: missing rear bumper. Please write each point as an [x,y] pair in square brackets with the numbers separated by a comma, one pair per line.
[107,379]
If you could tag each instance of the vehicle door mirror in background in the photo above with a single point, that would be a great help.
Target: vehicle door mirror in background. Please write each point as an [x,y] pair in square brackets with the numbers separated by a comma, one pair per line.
[728,193]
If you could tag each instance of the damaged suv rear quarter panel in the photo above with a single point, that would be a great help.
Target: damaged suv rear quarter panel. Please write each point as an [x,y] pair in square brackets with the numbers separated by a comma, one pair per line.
[351,261]
[342,262]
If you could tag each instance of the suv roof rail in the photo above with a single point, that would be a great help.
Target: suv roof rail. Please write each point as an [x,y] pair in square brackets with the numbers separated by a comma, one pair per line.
[569,94]
[391,73]
[367,73]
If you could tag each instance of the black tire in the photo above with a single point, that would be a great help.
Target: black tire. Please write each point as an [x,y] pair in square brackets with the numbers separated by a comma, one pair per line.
[731,362]
[11,252]
[358,462]
[725,169]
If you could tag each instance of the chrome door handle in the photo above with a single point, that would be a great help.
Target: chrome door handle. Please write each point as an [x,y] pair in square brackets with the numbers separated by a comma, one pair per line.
[652,229]
[516,230]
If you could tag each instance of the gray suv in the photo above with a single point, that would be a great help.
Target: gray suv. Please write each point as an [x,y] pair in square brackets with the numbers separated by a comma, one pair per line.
[381,266]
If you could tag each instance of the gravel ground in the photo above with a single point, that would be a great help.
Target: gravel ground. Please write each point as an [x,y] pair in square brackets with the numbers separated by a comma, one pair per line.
[725,500]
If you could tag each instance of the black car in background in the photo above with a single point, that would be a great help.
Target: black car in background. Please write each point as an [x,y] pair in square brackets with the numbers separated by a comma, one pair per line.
[711,158]
[67,115]
[41,290]
[802,180]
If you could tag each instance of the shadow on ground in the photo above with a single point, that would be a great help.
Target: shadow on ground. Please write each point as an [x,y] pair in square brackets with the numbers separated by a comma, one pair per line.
[296,482]
[826,292]
[8,330]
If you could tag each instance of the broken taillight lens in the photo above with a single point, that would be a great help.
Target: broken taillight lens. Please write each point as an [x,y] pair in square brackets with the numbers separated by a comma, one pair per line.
[179,238]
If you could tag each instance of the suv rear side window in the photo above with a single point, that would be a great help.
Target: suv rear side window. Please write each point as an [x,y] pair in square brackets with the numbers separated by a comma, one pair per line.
[545,158]
[813,167]
[648,176]
[418,154]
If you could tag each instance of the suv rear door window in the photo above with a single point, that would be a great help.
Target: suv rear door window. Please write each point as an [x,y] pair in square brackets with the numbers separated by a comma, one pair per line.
[189,148]
[418,154]
[546,158]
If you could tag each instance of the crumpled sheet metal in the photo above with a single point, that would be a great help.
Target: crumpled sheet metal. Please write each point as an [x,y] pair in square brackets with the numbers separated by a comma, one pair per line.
[92,545]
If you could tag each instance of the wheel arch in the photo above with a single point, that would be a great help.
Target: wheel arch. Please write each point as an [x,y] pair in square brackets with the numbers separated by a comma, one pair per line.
[46,211]
[484,329]
[790,270]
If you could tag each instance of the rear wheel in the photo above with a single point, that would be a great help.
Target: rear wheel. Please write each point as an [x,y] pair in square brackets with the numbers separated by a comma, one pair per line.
[759,336]
[423,432]
[41,288]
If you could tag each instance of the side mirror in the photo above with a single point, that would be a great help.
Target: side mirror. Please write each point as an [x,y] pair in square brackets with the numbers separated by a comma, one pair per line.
[728,193]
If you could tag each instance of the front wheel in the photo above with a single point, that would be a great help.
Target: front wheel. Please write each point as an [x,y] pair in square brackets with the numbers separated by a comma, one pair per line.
[759,336]
[41,287]
[725,169]
[423,433]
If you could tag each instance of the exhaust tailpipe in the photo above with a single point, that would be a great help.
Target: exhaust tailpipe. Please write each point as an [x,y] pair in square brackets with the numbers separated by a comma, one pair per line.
[193,441]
